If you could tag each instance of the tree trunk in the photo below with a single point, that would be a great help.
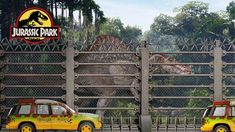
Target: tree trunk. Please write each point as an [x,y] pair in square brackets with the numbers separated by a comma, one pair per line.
[97,25]
[62,12]
[86,27]
[80,18]
[5,17]
[43,4]
[51,4]
[71,13]
[87,35]
[56,17]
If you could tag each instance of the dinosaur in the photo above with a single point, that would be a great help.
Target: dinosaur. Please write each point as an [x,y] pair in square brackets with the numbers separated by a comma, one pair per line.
[34,17]
[110,43]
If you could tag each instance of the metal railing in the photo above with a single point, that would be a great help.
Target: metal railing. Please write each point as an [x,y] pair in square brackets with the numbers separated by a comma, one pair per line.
[160,124]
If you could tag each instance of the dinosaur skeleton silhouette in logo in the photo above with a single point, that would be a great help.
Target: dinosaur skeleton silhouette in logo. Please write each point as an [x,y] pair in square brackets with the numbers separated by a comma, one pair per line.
[34,17]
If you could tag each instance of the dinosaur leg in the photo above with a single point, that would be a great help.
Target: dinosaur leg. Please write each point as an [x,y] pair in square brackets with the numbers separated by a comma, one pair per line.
[135,91]
[101,104]
[104,102]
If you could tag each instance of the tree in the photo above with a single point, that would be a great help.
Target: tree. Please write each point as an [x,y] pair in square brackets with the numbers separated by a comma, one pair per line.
[186,23]
[90,14]
[231,10]
[114,26]
[231,13]
[214,26]
[163,24]
[194,8]
[132,35]
[9,12]
[193,21]
[190,17]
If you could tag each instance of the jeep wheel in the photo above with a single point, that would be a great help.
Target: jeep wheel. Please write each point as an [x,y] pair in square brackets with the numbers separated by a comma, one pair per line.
[221,128]
[27,127]
[86,127]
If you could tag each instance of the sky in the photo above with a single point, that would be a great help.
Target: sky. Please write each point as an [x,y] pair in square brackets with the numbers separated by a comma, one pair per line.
[141,13]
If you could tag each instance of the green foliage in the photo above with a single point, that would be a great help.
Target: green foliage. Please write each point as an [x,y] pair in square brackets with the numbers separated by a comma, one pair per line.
[122,103]
[195,103]
[189,17]
[67,31]
[132,34]
[194,21]
[193,8]
[163,24]
[132,31]
[231,10]
[114,26]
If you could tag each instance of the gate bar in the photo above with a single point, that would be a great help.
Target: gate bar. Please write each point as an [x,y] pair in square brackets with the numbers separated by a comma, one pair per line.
[183,63]
[33,52]
[182,86]
[182,52]
[217,73]
[145,118]
[187,75]
[32,86]
[70,53]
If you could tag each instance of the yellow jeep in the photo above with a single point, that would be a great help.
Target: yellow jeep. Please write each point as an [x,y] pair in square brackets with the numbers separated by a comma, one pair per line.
[219,117]
[30,115]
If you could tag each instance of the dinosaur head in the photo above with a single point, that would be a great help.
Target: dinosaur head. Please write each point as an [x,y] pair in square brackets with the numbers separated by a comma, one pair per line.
[174,68]
[37,16]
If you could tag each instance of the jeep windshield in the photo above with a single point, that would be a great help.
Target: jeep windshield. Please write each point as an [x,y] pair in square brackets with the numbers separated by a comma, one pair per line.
[70,109]
[207,112]
[12,110]
[215,111]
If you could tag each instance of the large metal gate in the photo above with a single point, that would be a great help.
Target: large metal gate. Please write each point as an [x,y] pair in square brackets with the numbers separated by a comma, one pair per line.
[163,94]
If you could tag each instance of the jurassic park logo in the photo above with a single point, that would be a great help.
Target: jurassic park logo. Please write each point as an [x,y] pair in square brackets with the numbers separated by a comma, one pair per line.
[34,25]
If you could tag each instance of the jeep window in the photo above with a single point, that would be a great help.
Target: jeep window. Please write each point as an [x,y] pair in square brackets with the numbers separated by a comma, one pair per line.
[219,111]
[207,112]
[58,110]
[42,109]
[232,112]
[24,109]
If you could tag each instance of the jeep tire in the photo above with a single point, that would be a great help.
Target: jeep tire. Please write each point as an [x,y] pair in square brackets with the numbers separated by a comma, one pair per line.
[86,127]
[27,127]
[221,128]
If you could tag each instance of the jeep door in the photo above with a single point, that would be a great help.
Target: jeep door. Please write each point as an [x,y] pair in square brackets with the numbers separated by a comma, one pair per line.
[61,119]
[231,122]
[42,117]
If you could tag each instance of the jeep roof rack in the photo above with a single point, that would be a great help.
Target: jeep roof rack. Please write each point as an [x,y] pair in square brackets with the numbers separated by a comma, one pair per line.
[222,102]
[21,101]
